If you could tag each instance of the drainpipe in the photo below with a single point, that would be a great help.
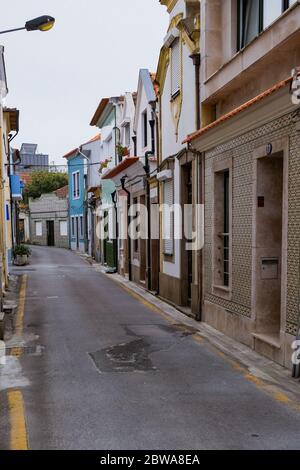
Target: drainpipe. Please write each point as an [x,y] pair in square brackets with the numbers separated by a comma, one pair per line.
[13,205]
[200,197]
[134,139]
[196,58]
[116,240]
[148,202]
[123,179]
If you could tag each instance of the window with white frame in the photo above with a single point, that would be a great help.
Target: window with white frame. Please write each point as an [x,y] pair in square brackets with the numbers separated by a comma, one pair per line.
[73,226]
[38,228]
[81,226]
[127,135]
[76,184]
[256,15]
[63,228]
[168,218]
[175,67]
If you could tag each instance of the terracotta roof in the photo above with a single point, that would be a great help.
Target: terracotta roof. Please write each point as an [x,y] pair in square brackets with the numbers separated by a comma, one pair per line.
[93,139]
[238,110]
[71,153]
[126,163]
[102,105]
[14,115]
[62,193]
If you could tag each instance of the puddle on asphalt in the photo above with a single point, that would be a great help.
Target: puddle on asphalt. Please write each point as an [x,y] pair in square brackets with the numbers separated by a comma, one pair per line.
[124,357]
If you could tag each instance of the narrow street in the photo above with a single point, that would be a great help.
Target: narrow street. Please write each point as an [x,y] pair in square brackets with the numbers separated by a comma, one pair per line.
[99,369]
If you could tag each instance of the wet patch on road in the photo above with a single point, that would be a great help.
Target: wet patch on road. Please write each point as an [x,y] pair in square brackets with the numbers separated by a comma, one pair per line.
[180,329]
[124,357]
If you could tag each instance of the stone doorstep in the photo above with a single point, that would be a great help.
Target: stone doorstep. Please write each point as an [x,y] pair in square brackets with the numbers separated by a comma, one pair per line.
[264,369]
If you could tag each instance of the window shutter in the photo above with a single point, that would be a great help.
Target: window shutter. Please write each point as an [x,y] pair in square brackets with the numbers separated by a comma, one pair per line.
[175,67]
[168,218]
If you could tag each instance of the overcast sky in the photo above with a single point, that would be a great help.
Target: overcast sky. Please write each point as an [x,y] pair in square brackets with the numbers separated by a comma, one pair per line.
[57,78]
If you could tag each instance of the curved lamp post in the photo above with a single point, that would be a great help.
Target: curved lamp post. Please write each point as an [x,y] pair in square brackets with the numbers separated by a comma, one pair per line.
[42,23]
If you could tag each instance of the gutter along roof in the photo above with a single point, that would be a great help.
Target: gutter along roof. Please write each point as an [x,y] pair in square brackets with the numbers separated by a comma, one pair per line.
[238,110]
[126,163]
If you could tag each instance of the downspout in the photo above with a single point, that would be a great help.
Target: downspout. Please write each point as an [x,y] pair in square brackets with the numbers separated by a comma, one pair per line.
[148,203]
[12,204]
[134,139]
[200,197]
[116,240]
[123,179]
[200,173]
[196,58]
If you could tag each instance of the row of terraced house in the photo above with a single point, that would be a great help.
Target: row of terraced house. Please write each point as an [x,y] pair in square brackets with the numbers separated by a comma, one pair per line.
[203,163]
[10,186]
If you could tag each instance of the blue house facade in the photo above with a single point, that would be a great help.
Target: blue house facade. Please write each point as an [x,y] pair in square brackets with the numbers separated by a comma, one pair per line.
[77,211]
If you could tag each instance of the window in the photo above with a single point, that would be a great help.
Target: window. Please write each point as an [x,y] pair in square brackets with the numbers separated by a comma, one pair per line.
[145,128]
[127,135]
[76,184]
[175,68]
[38,229]
[168,218]
[73,226]
[272,10]
[226,234]
[63,228]
[222,227]
[257,15]
[81,226]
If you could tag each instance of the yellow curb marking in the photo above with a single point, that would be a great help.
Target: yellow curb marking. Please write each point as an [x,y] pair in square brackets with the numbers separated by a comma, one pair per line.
[18,432]
[21,307]
[146,303]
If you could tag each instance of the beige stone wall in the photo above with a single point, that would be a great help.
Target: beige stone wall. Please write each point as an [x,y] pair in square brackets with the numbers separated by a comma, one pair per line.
[241,151]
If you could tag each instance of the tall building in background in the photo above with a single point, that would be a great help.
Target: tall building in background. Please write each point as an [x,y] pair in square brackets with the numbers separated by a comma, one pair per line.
[31,160]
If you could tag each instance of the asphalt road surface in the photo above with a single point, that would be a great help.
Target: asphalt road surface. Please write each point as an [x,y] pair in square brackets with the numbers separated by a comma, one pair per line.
[101,370]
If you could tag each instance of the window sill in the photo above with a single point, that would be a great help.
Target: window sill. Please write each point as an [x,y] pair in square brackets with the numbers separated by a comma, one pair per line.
[222,291]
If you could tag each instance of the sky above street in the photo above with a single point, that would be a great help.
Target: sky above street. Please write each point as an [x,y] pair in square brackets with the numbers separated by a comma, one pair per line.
[56,79]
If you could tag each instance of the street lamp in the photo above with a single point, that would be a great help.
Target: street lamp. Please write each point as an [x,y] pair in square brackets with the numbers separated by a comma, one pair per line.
[42,23]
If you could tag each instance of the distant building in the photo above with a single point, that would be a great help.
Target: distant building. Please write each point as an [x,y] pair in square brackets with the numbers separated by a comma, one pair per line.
[31,160]
[77,207]
[49,219]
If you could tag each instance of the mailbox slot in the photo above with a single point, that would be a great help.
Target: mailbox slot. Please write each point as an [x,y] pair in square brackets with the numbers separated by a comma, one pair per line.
[269,268]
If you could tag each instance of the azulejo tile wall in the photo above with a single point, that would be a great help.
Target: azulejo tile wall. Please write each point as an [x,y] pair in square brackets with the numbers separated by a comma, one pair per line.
[241,150]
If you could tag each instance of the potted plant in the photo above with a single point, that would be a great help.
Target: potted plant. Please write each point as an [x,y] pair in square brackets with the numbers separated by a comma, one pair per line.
[122,151]
[21,254]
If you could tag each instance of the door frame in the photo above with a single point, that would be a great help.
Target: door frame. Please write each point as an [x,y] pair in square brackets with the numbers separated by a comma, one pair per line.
[277,146]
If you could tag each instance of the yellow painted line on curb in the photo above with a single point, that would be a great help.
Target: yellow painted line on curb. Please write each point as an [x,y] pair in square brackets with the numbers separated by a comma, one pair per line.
[21,307]
[146,303]
[18,431]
